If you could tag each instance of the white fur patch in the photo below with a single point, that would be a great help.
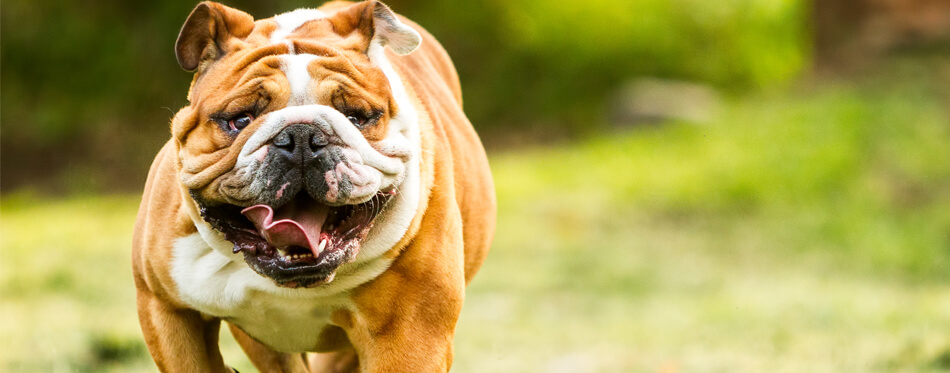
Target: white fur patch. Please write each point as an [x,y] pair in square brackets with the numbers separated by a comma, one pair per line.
[290,21]
[203,276]
[298,75]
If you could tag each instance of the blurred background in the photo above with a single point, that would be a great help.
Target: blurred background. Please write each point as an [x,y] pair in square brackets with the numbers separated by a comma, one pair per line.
[684,185]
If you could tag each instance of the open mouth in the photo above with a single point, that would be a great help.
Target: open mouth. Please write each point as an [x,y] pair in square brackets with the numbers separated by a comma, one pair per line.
[302,242]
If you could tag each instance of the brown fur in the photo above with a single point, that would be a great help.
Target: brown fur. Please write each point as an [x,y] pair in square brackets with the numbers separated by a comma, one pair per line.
[404,320]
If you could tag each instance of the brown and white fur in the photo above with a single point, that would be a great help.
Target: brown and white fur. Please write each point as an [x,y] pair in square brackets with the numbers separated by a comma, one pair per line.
[379,101]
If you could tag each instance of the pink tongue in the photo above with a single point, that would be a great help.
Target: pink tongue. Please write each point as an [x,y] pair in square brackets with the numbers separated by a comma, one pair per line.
[296,224]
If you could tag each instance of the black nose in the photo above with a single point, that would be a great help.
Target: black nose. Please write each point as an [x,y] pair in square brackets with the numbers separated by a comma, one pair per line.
[300,142]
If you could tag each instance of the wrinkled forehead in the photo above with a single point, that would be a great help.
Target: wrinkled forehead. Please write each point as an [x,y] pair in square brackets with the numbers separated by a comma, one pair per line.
[304,45]
[308,26]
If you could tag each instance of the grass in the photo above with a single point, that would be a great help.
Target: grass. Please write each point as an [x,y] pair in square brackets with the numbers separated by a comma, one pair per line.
[800,232]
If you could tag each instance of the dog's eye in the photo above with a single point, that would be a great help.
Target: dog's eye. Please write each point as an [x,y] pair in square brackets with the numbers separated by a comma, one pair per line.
[362,119]
[239,122]
[358,121]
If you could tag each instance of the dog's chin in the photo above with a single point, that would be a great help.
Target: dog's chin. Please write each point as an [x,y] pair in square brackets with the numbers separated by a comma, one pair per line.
[299,244]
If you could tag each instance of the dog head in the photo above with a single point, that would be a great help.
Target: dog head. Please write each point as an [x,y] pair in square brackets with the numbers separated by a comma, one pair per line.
[294,142]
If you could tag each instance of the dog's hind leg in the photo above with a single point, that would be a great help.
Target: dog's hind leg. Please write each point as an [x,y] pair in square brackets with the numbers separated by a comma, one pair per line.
[343,361]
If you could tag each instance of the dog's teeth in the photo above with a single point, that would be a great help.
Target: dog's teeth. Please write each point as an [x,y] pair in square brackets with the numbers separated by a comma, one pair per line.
[323,245]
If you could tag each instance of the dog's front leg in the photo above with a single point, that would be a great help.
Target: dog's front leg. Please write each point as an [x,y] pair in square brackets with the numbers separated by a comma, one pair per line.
[405,319]
[416,337]
[180,340]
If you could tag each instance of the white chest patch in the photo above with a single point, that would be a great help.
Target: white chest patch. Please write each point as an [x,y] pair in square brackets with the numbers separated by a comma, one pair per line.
[222,286]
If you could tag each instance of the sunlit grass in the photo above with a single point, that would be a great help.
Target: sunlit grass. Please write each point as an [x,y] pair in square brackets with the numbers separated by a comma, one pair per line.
[796,233]
[66,284]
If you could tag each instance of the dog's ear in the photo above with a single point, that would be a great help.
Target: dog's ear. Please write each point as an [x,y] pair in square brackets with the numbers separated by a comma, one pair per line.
[209,32]
[387,30]
[379,25]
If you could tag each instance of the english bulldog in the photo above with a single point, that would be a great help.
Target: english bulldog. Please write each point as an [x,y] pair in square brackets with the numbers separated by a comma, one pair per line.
[322,193]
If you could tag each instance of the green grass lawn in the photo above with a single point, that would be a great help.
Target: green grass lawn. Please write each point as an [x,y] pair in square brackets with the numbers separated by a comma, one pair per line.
[799,232]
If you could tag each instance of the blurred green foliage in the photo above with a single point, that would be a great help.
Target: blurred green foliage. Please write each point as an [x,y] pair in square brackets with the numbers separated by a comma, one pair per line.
[552,64]
[88,87]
